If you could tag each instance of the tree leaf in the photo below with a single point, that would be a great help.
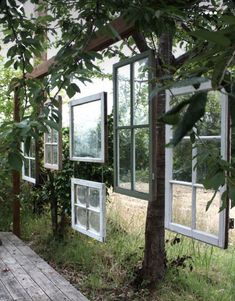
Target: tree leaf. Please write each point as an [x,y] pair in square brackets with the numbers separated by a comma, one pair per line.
[15,161]
[212,36]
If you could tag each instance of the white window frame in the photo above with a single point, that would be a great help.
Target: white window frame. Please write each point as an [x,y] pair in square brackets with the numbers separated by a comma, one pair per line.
[192,232]
[29,158]
[51,131]
[101,211]
[102,98]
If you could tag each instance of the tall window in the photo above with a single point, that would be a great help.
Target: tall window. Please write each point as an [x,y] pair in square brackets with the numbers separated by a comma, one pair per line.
[131,125]
[29,166]
[186,198]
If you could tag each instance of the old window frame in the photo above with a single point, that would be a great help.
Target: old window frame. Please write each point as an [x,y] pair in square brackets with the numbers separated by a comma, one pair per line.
[221,239]
[151,65]
[52,144]
[102,98]
[29,158]
[101,211]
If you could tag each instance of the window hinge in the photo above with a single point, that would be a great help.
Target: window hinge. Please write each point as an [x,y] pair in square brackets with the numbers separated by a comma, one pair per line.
[231,223]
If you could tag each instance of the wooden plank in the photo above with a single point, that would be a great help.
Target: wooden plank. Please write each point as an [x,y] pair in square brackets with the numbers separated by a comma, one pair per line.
[99,42]
[32,289]
[60,282]
[4,294]
[46,284]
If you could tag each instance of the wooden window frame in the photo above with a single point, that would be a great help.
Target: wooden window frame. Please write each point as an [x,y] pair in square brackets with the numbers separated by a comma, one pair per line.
[222,239]
[29,158]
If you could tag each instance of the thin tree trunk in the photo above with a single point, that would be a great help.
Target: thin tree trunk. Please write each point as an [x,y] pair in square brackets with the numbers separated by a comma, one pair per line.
[154,264]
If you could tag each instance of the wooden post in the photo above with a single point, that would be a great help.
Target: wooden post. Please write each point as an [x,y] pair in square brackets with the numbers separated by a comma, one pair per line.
[16,174]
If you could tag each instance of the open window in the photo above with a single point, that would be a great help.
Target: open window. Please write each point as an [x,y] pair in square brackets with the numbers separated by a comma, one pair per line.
[186,198]
[88,127]
[53,142]
[132,125]
[88,208]
[29,163]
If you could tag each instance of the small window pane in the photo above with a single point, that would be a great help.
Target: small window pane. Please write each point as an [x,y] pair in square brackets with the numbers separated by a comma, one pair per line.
[207,221]
[32,169]
[32,149]
[55,136]
[94,198]
[123,95]
[141,100]
[142,160]
[55,154]
[26,167]
[81,194]
[210,123]
[182,161]
[48,154]
[205,149]
[182,205]
[48,136]
[94,222]
[87,130]
[81,217]
[125,159]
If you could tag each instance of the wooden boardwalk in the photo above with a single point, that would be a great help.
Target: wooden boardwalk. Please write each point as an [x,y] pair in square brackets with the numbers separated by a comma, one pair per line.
[24,276]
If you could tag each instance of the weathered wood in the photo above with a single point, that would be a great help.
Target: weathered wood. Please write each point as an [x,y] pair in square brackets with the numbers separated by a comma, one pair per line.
[4,294]
[38,279]
[99,42]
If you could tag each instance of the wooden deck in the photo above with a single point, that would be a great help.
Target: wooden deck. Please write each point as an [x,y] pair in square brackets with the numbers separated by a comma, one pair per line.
[25,276]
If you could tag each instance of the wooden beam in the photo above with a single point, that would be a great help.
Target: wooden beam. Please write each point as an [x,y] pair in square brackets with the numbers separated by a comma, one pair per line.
[99,42]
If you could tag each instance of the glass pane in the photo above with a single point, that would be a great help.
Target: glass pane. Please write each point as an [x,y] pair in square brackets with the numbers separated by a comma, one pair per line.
[55,136]
[123,95]
[182,205]
[82,192]
[142,160]
[55,154]
[48,136]
[182,161]
[48,154]
[125,159]
[32,149]
[26,167]
[210,123]
[81,217]
[32,169]
[94,198]
[94,222]
[207,221]
[87,130]
[141,99]
[206,150]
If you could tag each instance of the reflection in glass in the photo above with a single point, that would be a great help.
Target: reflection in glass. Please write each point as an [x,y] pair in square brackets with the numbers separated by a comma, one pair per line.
[123,95]
[81,216]
[26,167]
[182,161]
[87,130]
[142,160]
[207,221]
[55,154]
[206,149]
[210,123]
[32,149]
[48,136]
[94,222]
[32,169]
[81,194]
[94,198]
[182,205]
[55,136]
[141,104]
[124,137]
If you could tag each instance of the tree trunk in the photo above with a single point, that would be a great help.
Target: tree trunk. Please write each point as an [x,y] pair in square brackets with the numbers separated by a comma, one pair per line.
[154,264]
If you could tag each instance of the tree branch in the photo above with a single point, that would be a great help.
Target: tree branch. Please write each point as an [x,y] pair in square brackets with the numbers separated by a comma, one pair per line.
[140,41]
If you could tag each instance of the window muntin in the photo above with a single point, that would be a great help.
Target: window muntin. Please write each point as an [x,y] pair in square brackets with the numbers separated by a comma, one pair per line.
[132,125]
[88,208]
[29,165]
[87,128]
[186,198]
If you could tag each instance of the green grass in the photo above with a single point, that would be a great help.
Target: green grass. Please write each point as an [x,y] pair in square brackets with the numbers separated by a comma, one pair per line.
[106,270]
